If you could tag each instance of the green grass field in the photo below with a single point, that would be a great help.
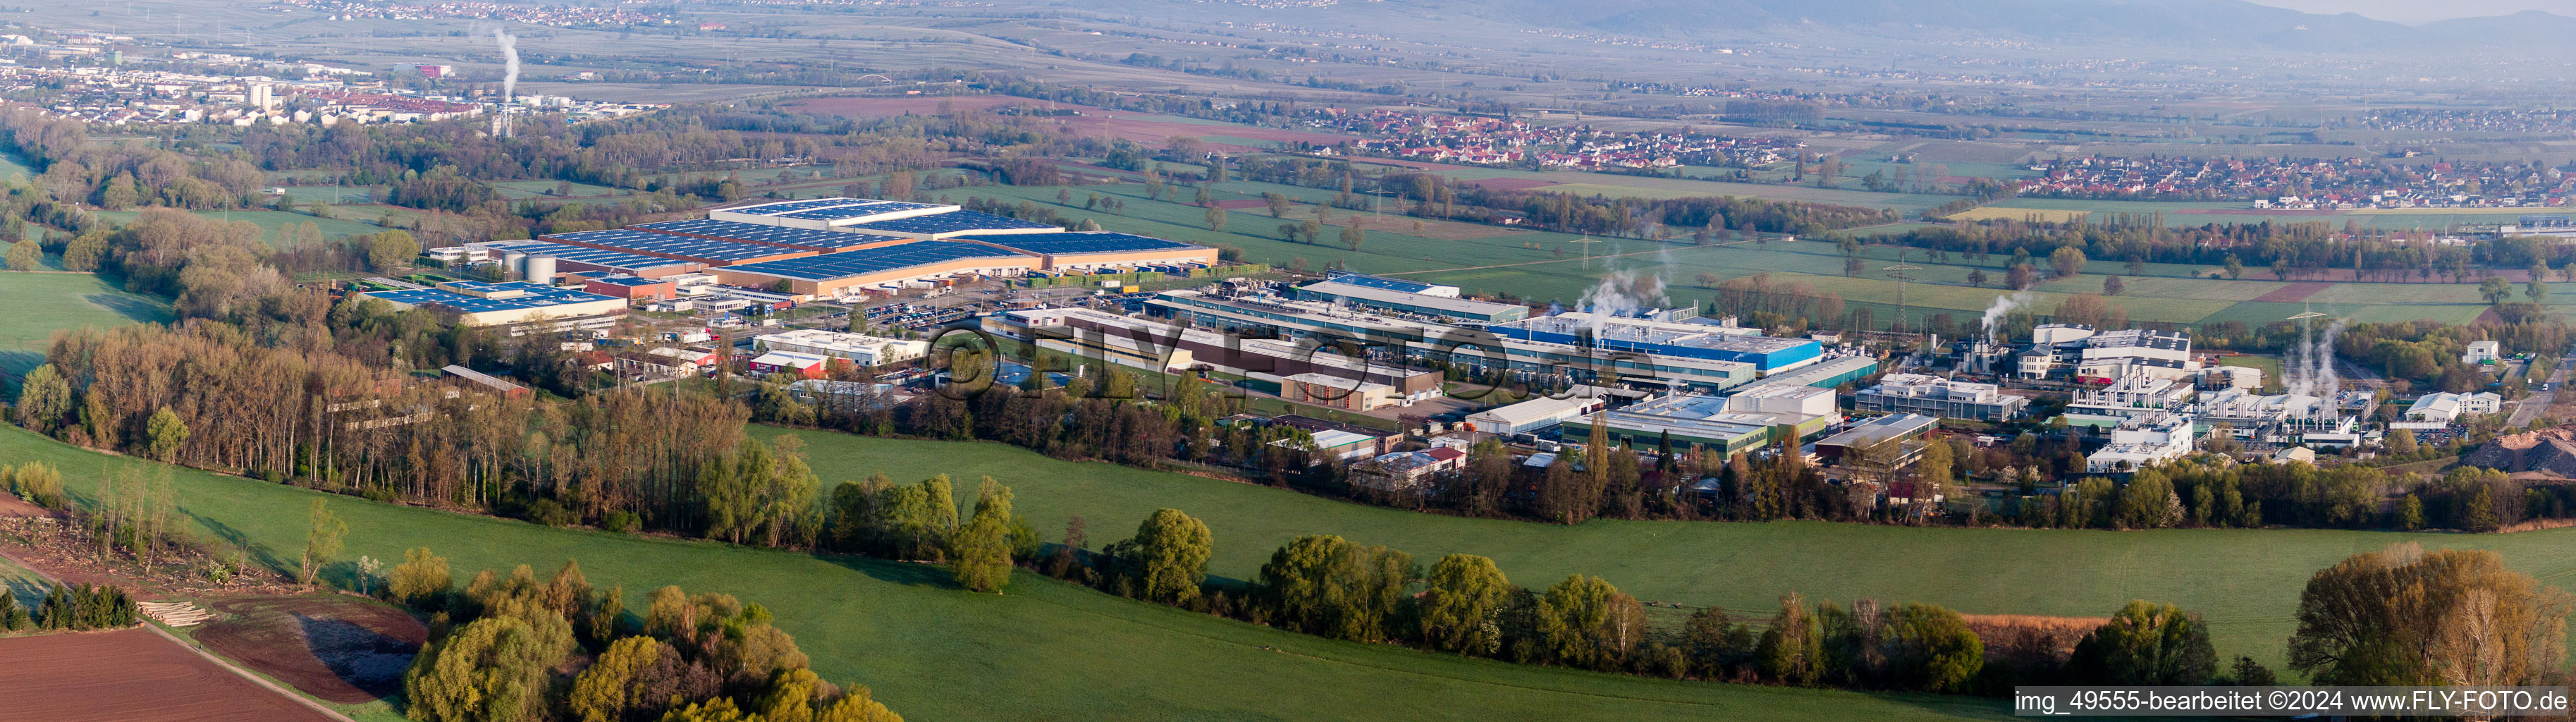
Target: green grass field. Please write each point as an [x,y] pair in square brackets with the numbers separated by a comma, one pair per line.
[1044,651]
[40,304]
[269,221]
[21,584]
[1546,266]
[2246,582]
[539,189]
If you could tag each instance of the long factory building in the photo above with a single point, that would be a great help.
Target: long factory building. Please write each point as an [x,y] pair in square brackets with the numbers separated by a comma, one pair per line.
[835,246]
[1599,349]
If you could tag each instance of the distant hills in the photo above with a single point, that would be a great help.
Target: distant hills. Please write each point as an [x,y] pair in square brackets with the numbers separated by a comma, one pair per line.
[2149,23]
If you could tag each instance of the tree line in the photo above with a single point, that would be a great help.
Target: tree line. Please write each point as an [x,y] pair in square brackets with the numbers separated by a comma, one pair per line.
[77,608]
[498,648]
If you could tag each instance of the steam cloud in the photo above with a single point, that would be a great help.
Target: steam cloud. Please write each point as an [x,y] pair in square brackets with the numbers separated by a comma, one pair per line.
[1622,293]
[510,58]
[1994,319]
[2312,364]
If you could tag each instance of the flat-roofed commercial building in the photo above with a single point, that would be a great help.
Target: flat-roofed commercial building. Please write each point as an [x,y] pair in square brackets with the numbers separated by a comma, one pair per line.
[860,349]
[824,214]
[1666,338]
[1094,250]
[884,267]
[1341,289]
[808,239]
[1422,339]
[1162,347]
[1390,283]
[486,303]
[1936,396]
[708,251]
[920,221]
[1832,371]
[570,258]
[632,288]
[1875,432]
[1692,420]
[1539,414]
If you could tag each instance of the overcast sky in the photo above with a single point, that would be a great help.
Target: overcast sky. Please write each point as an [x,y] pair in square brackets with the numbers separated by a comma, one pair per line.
[2419,11]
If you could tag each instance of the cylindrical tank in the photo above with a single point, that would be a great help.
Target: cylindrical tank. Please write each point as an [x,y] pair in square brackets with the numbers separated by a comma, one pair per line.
[541,269]
[514,263]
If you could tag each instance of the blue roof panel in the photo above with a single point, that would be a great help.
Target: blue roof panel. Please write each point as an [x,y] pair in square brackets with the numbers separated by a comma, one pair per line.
[620,260]
[806,238]
[538,296]
[672,245]
[949,223]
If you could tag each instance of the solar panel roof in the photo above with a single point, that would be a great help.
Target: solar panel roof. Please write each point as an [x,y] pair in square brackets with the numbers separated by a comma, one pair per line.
[871,208]
[847,264]
[794,206]
[668,244]
[806,238]
[629,281]
[592,256]
[951,222]
[1075,243]
[538,296]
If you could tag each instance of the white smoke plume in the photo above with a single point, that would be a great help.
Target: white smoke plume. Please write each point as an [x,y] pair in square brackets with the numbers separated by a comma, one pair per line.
[2311,364]
[2333,384]
[509,58]
[1994,319]
[1623,293]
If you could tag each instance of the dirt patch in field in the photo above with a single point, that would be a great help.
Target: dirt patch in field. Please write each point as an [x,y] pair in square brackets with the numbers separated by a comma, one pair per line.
[339,649]
[13,506]
[2293,293]
[129,675]
[2030,636]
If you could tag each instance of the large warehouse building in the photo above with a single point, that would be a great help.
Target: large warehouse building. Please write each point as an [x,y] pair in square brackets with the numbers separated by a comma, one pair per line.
[833,246]
[573,259]
[695,249]
[924,221]
[885,267]
[485,303]
[1401,296]
[1666,338]
[819,241]
[1094,250]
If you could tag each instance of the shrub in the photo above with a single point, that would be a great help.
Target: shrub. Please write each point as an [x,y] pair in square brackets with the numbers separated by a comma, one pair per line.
[421,581]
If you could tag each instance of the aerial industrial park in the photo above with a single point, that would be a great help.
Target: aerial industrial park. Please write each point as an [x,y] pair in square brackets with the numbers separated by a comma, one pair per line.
[1292,360]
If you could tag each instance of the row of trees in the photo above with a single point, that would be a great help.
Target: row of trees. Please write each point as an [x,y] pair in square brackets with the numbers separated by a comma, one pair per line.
[208,395]
[498,648]
[1332,587]
[2206,492]
[79,607]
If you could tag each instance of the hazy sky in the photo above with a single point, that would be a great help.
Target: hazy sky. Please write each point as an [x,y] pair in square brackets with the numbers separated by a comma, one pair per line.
[2418,11]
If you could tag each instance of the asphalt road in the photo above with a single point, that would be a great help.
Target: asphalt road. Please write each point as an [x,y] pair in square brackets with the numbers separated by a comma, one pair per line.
[2532,407]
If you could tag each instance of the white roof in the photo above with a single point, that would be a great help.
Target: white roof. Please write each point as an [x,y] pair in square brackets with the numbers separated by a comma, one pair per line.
[1535,409]
[1336,437]
[789,358]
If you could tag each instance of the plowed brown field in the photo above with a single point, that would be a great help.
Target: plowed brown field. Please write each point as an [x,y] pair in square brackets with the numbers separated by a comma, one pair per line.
[129,675]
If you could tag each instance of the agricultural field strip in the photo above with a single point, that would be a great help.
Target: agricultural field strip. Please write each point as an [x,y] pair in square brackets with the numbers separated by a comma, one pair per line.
[889,624]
